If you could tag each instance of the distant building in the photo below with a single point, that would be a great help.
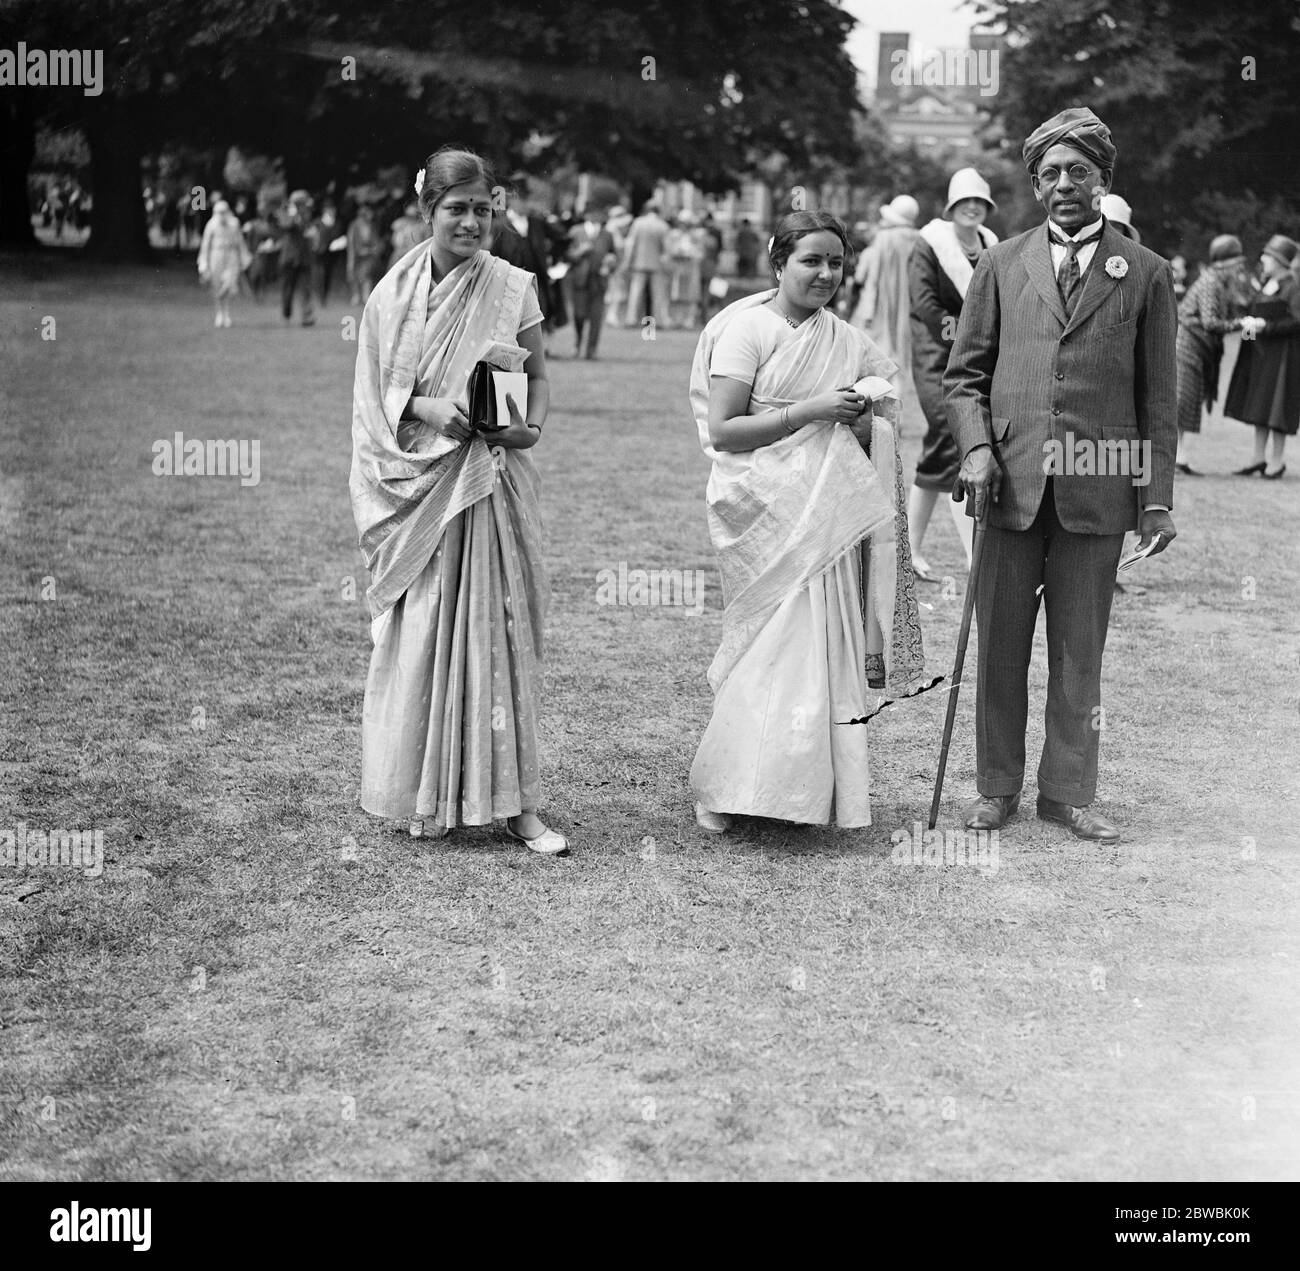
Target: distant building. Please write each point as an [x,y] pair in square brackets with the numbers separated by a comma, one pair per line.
[937,98]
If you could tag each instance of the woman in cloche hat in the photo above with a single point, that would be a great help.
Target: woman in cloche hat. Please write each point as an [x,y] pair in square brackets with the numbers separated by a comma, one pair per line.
[1117,211]
[942,264]
[1211,308]
[1265,387]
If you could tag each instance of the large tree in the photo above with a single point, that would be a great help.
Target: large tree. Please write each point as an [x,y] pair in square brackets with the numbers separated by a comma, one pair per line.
[1200,98]
[17,148]
[636,90]
[167,71]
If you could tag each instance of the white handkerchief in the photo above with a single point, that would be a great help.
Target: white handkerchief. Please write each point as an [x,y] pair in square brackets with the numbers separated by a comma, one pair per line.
[875,387]
[885,403]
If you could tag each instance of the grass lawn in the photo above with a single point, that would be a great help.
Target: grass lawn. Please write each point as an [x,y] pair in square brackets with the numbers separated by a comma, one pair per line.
[265,983]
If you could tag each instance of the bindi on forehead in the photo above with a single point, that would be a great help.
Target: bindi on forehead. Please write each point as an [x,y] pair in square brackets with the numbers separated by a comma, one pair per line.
[470,192]
[834,251]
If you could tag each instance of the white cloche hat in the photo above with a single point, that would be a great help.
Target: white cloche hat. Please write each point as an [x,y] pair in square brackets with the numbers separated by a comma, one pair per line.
[966,183]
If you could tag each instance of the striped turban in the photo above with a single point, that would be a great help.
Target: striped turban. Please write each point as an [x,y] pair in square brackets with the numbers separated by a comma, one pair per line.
[1077,127]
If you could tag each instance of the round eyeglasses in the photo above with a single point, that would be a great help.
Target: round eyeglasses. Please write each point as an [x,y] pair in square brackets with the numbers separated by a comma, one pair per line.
[1079,173]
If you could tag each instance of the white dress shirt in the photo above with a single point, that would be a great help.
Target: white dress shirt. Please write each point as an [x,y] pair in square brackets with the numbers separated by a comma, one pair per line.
[1089,234]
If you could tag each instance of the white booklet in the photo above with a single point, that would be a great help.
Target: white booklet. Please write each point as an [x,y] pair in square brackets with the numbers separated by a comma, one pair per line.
[514,383]
[1140,553]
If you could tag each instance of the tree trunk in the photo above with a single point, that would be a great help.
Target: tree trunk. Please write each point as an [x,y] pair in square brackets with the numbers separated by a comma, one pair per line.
[118,231]
[17,148]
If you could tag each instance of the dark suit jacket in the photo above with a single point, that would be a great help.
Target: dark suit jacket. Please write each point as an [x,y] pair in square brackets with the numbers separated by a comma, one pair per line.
[587,273]
[936,305]
[531,253]
[1020,376]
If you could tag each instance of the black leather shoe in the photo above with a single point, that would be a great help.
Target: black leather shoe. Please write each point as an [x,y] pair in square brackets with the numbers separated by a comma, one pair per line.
[1250,471]
[991,811]
[1273,476]
[1083,823]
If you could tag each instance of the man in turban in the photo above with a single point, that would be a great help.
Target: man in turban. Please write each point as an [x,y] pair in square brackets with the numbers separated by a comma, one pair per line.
[1061,397]
[1078,128]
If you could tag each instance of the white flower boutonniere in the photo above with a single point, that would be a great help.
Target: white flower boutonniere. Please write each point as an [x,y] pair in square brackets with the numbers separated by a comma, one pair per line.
[419,188]
[1117,266]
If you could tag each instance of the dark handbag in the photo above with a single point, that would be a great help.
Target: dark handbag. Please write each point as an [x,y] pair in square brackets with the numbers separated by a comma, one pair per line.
[483,401]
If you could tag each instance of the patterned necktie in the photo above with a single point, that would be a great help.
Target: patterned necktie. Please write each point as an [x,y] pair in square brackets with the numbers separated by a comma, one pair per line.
[1068,279]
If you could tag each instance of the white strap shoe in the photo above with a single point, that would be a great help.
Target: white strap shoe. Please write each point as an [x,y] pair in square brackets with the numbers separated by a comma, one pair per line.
[547,843]
[714,822]
[921,568]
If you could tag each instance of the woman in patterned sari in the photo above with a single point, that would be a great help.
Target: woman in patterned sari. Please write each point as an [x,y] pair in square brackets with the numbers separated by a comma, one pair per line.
[809,520]
[450,528]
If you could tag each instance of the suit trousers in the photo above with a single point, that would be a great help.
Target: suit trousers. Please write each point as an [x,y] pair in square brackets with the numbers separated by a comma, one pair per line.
[589,316]
[291,276]
[657,281]
[1076,573]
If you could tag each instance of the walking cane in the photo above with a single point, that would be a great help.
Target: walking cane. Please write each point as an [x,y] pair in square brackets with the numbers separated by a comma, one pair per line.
[968,610]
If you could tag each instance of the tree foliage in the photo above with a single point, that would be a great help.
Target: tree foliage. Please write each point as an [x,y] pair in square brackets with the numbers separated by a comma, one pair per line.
[1200,96]
[636,90]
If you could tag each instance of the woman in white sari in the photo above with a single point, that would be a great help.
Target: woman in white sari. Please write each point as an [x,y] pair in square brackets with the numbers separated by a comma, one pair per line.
[807,515]
[450,527]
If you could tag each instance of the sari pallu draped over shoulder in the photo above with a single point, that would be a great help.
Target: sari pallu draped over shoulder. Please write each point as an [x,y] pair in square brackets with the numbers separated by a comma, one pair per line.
[414,333]
[782,515]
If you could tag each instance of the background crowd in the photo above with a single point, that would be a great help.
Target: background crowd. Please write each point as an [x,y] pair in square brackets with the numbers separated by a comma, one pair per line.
[606,263]
[601,265]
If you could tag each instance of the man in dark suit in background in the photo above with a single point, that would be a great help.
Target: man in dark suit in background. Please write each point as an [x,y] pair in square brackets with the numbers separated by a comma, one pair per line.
[520,238]
[1061,397]
[592,258]
[298,239]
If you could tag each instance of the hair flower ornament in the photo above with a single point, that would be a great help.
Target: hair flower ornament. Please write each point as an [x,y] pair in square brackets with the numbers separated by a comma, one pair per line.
[419,183]
[1117,266]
